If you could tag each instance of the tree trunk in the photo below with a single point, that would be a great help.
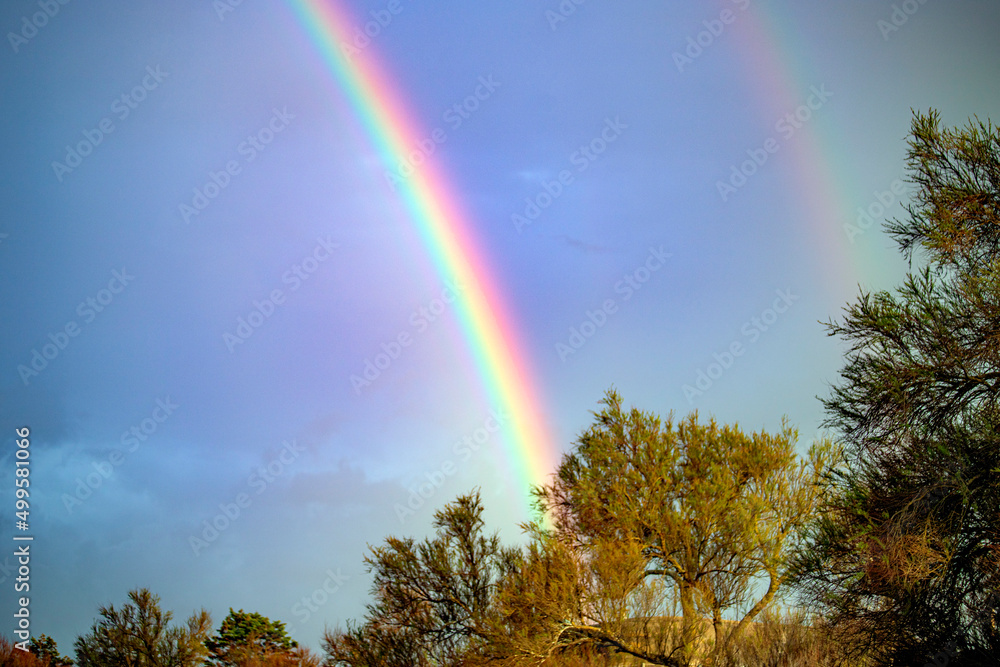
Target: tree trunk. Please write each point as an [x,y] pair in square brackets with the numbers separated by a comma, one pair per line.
[689,623]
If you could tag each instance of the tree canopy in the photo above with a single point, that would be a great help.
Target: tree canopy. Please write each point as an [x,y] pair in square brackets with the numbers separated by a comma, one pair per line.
[643,517]
[907,561]
[432,598]
[47,651]
[687,515]
[139,634]
[245,637]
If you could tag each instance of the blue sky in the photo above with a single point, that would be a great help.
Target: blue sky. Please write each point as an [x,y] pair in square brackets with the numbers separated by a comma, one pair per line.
[146,420]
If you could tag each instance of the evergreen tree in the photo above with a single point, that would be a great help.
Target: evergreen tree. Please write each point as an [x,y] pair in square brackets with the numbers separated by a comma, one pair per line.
[907,560]
[247,637]
[433,599]
[139,634]
[45,649]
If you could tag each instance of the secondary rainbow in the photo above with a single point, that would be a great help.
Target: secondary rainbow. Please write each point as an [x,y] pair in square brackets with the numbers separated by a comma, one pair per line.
[778,67]
[445,231]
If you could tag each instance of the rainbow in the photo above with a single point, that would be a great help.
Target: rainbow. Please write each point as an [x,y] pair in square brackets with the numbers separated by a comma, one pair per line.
[446,234]
[777,66]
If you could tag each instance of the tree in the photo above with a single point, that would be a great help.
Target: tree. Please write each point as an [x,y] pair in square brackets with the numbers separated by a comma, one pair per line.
[45,649]
[12,656]
[685,515]
[433,599]
[248,638]
[139,635]
[907,559]
[532,603]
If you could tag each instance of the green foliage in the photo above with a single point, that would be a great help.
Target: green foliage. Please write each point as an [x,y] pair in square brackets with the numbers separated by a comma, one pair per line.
[433,599]
[45,649]
[244,637]
[139,635]
[907,560]
[664,515]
